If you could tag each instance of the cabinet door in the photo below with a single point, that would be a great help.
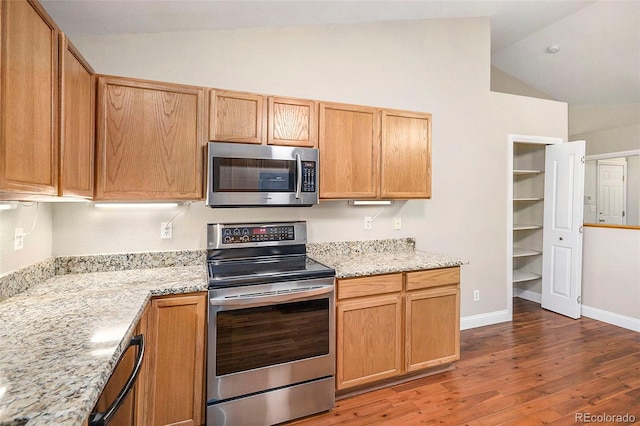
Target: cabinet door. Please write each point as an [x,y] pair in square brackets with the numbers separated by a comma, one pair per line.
[405,155]
[176,358]
[236,117]
[433,327]
[77,125]
[369,333]
[150,140]
[28,99]
[349,142]
[292,122]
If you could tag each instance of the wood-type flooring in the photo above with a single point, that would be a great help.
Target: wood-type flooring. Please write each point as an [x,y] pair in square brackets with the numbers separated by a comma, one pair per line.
[542,368]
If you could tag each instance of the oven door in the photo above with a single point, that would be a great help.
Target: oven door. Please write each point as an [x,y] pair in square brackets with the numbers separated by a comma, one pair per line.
[269,336]
[257,175]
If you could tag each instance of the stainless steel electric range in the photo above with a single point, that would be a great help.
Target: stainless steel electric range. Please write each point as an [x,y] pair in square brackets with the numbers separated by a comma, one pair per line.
[271,335]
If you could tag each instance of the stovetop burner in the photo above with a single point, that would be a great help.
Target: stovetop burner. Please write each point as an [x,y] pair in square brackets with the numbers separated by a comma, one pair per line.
[252,254]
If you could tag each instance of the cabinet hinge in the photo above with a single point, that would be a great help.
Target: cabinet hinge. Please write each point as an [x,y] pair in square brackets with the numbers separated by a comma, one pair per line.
[579,300]
[582,159]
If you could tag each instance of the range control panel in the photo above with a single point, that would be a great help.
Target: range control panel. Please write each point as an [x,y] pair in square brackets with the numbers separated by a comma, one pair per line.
[254,234]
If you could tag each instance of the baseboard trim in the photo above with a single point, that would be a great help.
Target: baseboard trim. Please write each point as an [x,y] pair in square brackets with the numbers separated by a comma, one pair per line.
[531,296]
[481,320]
[612,318]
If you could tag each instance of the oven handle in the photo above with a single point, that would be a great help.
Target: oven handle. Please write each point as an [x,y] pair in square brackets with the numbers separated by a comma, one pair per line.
[270,299]
[299,180]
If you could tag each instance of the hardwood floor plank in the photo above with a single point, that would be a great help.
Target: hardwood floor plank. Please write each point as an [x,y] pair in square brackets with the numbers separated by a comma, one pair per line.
[541,368]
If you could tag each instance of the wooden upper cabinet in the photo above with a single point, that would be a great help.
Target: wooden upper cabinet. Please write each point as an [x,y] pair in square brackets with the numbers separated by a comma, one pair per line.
[150,140]
[349,142]
[236,117]
[77,122]
[405,164]
[28,99]
[292,122]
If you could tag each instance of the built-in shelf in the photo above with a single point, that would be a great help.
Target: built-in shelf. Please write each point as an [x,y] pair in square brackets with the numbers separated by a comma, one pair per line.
[527,172]
[523,227]
[524,252]
[529,199]
[521,276]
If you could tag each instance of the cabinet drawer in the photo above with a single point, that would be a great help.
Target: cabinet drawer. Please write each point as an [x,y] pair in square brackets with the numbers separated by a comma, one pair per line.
[367,286]
[433,278]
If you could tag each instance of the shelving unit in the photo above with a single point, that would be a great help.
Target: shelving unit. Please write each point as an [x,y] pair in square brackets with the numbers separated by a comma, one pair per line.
[528,214]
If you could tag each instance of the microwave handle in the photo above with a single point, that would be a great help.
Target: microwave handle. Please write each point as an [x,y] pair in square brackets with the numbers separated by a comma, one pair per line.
[299,179]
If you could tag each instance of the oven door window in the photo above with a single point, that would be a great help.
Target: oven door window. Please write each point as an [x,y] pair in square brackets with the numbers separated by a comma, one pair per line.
[270,335]
[253,175]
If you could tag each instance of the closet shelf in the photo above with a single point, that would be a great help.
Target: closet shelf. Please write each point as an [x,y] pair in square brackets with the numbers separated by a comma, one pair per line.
[527,172]
[527,199]
[523,227]
[524,252]
[521,276]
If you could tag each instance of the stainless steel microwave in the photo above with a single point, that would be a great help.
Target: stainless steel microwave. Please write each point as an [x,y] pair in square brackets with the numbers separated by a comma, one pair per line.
[245,175]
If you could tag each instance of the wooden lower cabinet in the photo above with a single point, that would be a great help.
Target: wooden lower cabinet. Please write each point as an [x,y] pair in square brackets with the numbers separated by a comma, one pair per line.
[125,416]
[170,387]
[395,324]
[369,340]
[174,371]
[432,327]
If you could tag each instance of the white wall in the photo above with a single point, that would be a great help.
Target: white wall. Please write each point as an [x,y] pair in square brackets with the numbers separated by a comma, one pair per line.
[37,245]
[438,66]
[594,118]
[611,271]
[506,83]
[615,139]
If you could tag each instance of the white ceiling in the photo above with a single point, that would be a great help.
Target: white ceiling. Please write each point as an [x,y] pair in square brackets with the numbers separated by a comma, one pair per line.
[598,61]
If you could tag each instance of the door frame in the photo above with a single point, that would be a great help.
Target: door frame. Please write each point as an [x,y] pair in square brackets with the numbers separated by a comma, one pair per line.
[611,162]
[512,140]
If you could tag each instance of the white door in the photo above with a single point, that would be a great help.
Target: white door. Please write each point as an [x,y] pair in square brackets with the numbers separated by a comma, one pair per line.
[611,192]
[562,233]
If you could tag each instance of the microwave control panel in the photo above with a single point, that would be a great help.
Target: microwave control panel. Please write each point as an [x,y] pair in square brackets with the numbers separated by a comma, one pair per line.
[257,234]
[308,176]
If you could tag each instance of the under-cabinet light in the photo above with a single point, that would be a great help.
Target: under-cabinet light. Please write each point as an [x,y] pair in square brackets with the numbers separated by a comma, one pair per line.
[139,206]
[8,205]
[369,202]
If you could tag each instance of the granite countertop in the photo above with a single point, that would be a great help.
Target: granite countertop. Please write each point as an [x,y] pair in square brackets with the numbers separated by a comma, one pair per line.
[363,258]
[60,339]
[65,322]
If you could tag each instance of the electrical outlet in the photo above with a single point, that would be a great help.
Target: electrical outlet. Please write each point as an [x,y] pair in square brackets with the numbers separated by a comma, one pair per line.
[476,295]
[166,230]
[18,242]
[397,223]
[368,223]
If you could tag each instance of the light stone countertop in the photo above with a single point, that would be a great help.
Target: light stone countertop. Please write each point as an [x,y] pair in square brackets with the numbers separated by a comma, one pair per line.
[363,258]
[60,339]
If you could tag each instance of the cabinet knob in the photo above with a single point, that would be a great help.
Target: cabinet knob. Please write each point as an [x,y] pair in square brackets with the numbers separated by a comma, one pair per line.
[560,238]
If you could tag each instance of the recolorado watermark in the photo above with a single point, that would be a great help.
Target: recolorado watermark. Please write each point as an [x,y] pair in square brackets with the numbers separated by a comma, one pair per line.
[605,418]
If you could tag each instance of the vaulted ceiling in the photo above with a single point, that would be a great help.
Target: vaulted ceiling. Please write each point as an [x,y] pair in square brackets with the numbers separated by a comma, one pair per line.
[598,62]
